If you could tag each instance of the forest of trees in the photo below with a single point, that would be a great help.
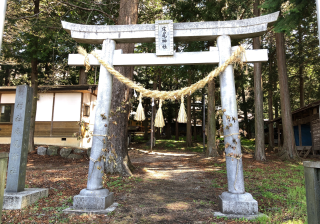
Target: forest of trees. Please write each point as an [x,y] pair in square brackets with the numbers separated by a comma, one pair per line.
[35,50]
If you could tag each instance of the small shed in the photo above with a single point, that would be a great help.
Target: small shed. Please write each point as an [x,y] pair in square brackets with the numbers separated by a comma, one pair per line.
[306,126]
[65,114]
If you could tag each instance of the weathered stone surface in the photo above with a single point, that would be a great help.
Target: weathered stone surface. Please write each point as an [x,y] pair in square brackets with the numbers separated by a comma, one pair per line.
[78,151]
[196,31]
[96,199]
[42,151]
[311,164]
[75,156]
[19,139]
[19,200]
[180,58]
[89,152]
[52,150]
[238,204]
[92,211]
[65,152]
[3,173]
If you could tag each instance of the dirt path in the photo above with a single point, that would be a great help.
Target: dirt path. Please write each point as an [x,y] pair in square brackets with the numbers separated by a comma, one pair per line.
[174,188]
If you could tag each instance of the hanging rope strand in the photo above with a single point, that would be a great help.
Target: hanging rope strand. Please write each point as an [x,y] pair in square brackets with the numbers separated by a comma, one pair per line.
[236,58]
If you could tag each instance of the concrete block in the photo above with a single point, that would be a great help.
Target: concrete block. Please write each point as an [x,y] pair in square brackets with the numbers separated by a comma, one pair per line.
[65,152]
[42,151]
[238,204]
[19,200]
[52,150]
[93,202]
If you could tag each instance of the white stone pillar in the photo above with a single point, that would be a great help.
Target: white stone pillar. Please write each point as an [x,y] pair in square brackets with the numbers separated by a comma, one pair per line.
[95,196]
[235,201]
[229,103]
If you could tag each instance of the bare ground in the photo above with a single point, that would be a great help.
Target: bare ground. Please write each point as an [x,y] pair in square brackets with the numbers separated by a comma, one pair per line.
[167,187]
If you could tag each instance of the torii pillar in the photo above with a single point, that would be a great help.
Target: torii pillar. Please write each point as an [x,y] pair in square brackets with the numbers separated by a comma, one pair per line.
[235,203]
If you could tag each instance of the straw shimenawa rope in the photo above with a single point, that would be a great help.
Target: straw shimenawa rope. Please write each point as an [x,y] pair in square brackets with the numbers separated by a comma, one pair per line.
[236,57]
[140,112]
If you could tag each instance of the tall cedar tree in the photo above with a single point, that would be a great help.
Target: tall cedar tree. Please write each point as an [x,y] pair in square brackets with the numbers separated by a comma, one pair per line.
[121,94]
[258,98]
[289,19]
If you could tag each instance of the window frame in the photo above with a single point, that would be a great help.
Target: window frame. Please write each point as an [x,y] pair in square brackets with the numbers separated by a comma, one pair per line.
[12,111]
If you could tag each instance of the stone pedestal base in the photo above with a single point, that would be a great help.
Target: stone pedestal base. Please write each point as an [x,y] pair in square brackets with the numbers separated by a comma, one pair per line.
[71,210]
[19,200]
[238,204]
[93,199]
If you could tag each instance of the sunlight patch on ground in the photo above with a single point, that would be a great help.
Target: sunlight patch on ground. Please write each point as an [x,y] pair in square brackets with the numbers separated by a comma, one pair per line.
[156,197]
[153,173]
[167,153]
[178,206]
[157,217]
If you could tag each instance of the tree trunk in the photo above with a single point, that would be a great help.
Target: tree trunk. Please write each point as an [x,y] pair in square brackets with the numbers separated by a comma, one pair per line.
[83,76]
[288,149]
[7,77]
[189,136]
[245,112]
[302,102]
[211,144]
[145,123]
[270,105]
[260,154]
[118,127]
[34,82]
[177,124]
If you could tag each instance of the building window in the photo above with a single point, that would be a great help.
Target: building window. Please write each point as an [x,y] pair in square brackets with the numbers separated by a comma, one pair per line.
[86,111]
[6,112]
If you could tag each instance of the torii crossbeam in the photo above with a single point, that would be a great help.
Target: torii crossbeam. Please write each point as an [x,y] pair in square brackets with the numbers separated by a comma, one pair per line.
[236,201]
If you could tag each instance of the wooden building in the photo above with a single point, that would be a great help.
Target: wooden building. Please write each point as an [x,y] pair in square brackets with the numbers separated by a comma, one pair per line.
[65,114]
[306,125]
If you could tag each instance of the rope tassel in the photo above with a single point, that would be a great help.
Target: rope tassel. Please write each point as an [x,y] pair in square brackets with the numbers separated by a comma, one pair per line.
[140,111]
[182,116]
[159,121]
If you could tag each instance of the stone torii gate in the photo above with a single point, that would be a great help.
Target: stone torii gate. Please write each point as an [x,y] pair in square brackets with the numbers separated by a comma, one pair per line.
[236,201]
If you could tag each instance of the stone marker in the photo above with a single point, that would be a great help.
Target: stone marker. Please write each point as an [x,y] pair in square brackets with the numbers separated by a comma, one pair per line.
[3,171]
[16,196]
[19,139]
[42,151]
[312,182]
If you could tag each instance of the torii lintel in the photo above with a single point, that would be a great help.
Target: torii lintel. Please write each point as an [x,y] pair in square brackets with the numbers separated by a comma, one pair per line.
[189,31]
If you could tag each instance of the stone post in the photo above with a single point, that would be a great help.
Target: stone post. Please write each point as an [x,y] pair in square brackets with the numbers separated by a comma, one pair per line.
[3,171]
[235,201]
[19,139]
[15,195]
[312,182]
[95,196]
